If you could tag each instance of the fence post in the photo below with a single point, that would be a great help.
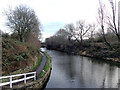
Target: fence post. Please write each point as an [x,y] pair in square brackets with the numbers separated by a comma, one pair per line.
[34,76]
[10,81]
[25,78]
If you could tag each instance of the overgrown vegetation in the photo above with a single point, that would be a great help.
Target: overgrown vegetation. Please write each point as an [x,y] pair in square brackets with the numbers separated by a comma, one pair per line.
[41,74]
[100,40]
[37,63]
[17,55]
[21,48]
[94,47]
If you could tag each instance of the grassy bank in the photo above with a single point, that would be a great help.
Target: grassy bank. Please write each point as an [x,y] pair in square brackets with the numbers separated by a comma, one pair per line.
[36,63]
[18,56]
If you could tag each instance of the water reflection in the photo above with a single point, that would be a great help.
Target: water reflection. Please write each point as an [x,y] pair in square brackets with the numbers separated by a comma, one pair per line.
[72,71]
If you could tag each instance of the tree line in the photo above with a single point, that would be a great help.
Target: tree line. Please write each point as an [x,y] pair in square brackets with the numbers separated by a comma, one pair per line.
[103,36]
[80,31]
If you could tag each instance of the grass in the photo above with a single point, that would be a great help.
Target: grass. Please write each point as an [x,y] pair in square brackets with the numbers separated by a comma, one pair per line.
[47,65]
[41,74]
[37,63]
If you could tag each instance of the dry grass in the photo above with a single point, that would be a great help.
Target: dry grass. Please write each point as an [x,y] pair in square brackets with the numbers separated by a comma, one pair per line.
[17,55]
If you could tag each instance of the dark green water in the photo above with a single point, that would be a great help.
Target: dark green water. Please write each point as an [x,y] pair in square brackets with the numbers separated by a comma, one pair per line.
[73,71]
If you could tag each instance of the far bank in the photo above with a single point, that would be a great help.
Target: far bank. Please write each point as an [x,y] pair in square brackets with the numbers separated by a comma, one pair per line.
[95,51]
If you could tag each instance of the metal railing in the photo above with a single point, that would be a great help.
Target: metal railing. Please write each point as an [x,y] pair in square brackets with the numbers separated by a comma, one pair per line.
[11,81]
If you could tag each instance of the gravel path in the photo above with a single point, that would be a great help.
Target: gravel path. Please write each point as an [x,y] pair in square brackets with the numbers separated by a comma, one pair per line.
[42,64]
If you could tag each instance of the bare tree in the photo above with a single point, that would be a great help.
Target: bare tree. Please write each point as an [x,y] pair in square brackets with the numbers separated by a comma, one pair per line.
[81,30]
[101,21]
[62,33]
[70,28]
[23,20]
[91,32]
[113,22]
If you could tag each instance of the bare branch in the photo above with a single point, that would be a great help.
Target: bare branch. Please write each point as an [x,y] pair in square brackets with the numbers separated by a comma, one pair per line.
[23,20]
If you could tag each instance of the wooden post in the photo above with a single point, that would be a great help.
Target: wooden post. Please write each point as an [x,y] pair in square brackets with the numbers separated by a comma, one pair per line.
[11,82]
[25,78]
[35,76]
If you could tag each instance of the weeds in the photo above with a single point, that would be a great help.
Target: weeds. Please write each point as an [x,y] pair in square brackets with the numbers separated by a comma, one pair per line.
[37,63]
[17,55]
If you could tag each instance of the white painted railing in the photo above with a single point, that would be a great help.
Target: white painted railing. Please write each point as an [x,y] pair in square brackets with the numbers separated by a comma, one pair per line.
[17,80]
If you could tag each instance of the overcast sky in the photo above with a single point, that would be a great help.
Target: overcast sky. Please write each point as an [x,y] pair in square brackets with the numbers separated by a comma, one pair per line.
[54,14]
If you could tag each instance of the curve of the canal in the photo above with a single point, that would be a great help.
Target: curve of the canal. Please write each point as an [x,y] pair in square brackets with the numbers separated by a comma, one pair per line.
[74,71]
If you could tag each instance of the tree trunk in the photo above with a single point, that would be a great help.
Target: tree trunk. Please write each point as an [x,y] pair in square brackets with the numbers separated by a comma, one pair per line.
[81,42]
[21,38]
[118,36]
[106,42]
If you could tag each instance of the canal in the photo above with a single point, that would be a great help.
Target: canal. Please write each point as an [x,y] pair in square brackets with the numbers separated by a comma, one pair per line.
[73,71]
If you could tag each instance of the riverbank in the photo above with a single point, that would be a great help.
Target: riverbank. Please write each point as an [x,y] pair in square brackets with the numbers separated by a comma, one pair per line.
[106,59]
[96,51]
[41,77]
[18,55]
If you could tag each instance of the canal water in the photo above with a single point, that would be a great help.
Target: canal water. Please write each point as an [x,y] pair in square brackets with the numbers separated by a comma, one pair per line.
[74,71]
